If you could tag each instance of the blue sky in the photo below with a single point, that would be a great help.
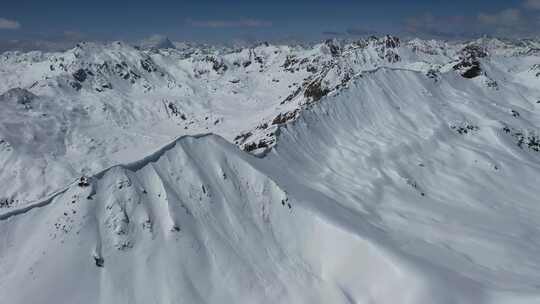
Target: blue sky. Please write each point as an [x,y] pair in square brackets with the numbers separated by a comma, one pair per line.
[222,20]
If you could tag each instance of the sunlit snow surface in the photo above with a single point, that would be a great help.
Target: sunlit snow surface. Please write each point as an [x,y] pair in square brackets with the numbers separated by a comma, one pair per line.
[400,185]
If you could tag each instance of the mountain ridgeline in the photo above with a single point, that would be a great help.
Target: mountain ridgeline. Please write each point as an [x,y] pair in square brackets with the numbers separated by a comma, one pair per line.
[375,171]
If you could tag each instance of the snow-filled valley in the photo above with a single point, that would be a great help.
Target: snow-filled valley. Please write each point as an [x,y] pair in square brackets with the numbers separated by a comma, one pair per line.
[376,171]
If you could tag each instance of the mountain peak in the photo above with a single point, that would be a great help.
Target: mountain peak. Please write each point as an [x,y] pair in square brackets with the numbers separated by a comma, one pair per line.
[157,42]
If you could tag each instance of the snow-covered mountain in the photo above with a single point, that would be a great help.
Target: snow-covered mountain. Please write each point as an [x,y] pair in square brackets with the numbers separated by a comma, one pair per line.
[373,171]
[157,42]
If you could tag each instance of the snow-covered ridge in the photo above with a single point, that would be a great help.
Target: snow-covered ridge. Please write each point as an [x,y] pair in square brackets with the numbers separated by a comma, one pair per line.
[134,166]
[100,105]
[177,222]
[396,186]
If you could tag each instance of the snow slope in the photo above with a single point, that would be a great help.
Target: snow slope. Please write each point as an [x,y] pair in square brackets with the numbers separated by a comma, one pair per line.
[100,105]
[201,222]
[439,170]
[196,222]
[390,181]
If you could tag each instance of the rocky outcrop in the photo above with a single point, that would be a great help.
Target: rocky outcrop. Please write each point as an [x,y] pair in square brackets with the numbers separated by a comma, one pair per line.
[315,91]
[469,64]
[333,47]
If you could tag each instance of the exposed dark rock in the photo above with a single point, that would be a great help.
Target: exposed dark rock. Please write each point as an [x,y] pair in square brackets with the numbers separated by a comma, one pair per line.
[217,64]
[392,57]
[284,117]
[83,181]
[472,72]
[314,91]
[100,262]
[433,74]
[6,203]
[148,65]
[531,140]
[311,69]
[76,85]
[333,47]
[490,83]
[391,42]
[465,128]
[80,75]
[175,111]
[290,61]
[473,51]
[469,64]
[262,144]
[470,69]
[250,147]
[242,137]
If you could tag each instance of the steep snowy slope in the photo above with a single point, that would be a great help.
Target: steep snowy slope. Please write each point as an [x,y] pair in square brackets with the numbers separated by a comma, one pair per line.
[388,172]
[447,171]
[100,105]
[196,222]
[399,186]
[202,222]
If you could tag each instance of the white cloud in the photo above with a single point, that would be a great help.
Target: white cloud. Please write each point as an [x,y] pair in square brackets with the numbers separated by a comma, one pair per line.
[532,4]
[439,26]
[6,24]
[509,22]
[229,23]
[505,23]
[508,17]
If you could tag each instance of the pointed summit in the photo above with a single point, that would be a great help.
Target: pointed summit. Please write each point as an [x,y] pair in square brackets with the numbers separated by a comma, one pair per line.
[157,42]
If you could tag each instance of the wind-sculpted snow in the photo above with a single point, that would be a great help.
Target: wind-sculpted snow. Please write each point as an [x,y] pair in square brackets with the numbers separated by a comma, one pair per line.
[438,171]
[197,223]
[202,222]
[99,105]
[388,171]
